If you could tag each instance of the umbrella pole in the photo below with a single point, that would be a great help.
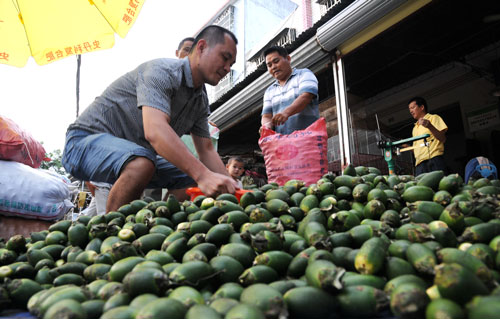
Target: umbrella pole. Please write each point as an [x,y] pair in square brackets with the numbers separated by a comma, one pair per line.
[78,63]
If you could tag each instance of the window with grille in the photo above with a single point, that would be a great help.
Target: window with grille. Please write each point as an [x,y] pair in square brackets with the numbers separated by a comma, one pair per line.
[224,85]
[326,5]
[284,38]
[225,20]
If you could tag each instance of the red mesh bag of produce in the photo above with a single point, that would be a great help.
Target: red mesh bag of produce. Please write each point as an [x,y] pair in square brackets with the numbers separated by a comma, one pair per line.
[18,145]
[300,155]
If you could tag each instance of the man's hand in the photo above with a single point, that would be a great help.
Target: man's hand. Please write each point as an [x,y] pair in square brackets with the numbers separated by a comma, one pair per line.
[269,126]
[213,184]
[279,119]
[425,123]
[297,106]
[440,135]
[266,121]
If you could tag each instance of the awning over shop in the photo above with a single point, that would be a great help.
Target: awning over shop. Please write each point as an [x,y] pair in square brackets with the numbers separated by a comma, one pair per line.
[356,24]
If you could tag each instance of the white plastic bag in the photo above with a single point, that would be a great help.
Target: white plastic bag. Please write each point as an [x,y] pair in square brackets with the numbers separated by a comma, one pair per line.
[97,205]
[30,193]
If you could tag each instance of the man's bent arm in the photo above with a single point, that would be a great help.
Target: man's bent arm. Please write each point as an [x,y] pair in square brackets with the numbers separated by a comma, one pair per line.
[440,135]
[266,120]
[208,155]
[168,145]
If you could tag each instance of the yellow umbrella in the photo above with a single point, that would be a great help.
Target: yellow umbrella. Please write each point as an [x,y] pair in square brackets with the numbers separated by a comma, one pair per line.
[50,30]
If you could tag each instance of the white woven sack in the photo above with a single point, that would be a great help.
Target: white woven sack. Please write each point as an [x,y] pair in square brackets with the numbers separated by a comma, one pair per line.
[31,193]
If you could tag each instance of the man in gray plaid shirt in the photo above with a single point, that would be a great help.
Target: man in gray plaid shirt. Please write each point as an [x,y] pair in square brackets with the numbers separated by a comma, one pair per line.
[143,114]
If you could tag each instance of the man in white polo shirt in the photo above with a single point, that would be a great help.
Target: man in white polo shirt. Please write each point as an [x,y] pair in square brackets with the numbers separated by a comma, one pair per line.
[291,102]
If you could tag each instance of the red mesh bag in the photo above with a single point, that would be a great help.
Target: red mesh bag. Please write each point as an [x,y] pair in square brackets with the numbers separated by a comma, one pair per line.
[18,145]
[300,155]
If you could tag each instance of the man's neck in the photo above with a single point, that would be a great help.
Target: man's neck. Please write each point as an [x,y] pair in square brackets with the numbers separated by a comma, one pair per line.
[197,81]
[282,83]
[421,116]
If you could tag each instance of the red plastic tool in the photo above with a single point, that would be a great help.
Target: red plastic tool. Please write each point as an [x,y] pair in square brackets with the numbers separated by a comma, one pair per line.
[195,191]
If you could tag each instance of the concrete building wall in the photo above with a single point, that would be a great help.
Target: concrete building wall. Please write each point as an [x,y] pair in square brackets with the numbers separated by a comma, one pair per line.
[255,22]
[239,30]
[263,17]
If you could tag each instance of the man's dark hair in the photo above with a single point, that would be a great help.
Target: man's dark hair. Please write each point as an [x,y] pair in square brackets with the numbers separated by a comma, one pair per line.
[281,51]
[419,101]
[213,34]
[184,40]
[235,158]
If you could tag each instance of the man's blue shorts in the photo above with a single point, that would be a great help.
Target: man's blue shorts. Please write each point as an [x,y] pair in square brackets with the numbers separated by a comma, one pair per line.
[101,157]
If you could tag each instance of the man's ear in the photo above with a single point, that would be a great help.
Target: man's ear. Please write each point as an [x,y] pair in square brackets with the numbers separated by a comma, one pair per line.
[201,45]
[177,53]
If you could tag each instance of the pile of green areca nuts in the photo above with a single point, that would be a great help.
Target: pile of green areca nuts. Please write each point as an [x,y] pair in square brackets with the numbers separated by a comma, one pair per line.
[360,245]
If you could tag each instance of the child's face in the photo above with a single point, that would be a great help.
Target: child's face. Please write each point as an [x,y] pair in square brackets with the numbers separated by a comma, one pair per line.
[235,168]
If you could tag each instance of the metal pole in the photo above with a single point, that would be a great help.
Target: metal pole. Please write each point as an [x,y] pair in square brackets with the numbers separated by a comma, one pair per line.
[342,110]
[78,63]
[345,108]
[337,104]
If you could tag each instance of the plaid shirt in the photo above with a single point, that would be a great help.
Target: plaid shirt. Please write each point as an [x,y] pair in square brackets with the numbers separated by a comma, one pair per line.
[277,98]
[164,84]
